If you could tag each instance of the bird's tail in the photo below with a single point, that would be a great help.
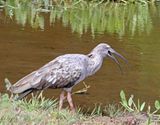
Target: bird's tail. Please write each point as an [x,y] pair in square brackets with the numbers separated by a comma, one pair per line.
[26,85]
[11,88]
[17,88]
[23,84]
[8,84]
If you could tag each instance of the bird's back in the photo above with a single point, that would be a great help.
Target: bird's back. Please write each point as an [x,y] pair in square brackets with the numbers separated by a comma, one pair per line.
[62,72]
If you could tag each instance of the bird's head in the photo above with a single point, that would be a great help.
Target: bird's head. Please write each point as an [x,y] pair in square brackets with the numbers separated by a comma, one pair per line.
[105,50]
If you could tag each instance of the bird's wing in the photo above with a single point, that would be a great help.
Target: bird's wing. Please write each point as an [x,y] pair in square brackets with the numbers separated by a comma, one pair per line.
[31,79]
[64,75]
[56,74]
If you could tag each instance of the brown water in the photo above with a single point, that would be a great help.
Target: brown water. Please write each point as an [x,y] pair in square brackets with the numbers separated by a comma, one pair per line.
[23,50]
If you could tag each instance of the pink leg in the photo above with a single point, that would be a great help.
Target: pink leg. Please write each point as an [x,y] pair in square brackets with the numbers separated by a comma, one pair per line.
[61,99]
[69,99]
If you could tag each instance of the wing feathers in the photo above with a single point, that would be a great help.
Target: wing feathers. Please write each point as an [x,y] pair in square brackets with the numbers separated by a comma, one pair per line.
[55,74]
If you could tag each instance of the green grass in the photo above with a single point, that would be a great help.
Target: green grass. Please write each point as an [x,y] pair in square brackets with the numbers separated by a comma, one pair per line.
[39,111]
[36,110]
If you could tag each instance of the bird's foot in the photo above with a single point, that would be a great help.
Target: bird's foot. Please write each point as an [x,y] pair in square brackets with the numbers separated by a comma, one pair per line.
[73,110]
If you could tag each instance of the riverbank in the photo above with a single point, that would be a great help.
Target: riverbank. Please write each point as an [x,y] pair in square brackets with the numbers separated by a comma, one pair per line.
[41,111]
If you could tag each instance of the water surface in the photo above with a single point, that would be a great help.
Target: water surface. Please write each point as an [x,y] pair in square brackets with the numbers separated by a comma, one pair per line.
[25,48]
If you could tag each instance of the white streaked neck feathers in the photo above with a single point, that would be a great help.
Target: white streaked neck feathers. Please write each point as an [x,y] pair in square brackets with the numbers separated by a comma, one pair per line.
[95,63]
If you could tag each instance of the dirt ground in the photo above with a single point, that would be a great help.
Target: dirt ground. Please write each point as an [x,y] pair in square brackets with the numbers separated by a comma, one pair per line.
[127,119]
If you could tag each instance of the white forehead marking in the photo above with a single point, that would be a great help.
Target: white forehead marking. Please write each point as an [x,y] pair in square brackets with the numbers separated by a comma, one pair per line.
[108,46]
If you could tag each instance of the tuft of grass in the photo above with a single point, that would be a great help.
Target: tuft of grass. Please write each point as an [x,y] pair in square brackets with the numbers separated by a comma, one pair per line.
[97,111]
[114,110]
[36,110]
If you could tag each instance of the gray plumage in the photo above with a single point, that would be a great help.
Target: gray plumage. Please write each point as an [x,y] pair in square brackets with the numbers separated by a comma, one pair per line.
[64,71]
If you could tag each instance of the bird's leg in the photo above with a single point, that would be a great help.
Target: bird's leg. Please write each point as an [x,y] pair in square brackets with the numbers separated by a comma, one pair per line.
[69,99]
[61,99]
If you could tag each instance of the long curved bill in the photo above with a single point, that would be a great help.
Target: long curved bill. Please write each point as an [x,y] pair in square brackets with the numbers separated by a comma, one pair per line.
[110,54]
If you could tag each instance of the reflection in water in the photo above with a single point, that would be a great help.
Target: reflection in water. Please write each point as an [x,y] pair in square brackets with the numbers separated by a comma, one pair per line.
[112,18]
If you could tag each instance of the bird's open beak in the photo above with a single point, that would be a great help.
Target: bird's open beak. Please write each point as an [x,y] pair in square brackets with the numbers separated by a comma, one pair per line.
[110,54]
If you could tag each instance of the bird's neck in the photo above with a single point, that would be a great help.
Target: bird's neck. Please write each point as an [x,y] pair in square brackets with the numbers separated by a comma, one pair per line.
[95,63]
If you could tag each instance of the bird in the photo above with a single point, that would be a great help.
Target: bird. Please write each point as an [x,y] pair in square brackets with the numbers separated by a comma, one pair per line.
[64,72]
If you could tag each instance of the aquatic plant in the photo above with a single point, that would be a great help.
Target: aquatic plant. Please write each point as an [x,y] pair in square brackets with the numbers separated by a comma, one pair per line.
[82,16]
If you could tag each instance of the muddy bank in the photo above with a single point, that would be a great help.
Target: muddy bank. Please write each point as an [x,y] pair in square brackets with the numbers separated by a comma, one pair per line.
[127,119]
